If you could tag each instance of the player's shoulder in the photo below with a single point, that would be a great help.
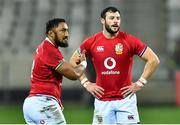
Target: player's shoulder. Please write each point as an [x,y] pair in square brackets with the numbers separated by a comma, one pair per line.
[94,37]
[49,50]
[48,47]
[98,34]
[46,43]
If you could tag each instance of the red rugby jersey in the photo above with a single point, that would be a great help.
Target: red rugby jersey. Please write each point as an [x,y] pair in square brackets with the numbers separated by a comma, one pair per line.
[44,78]
[113,59]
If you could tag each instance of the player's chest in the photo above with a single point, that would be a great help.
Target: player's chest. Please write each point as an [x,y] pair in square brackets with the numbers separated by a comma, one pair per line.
[115,49]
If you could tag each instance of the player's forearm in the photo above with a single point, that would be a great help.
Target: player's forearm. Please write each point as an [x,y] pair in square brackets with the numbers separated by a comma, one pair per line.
[70,72]
[150,67]
[79,71]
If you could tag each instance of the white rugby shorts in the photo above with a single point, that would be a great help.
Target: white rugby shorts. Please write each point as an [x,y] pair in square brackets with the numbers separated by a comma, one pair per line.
[116,111]
[42,109]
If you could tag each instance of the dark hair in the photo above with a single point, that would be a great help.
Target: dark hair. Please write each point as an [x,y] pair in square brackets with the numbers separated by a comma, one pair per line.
[53,23]
[109,9]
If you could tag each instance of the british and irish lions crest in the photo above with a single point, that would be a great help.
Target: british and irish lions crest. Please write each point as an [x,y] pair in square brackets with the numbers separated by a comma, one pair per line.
[119,48]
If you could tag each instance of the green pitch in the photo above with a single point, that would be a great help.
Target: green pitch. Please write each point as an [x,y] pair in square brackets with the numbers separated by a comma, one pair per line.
[77,114]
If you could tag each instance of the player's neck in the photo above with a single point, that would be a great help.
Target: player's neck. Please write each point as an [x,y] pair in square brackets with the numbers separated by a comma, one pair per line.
[109,35]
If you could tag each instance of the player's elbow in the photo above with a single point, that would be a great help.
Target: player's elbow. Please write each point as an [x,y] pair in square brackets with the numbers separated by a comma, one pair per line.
[155,61]
[158,61]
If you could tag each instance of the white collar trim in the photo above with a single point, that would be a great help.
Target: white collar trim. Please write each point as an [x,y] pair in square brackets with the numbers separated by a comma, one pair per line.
[49,41]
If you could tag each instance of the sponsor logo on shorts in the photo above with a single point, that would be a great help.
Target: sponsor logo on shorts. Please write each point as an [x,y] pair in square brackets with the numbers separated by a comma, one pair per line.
[130,117]
[42,122]
[99,119]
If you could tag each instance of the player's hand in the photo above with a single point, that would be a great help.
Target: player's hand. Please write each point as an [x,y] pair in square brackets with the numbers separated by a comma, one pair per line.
[130,90]
[95,90]
[76,59]
[82,56]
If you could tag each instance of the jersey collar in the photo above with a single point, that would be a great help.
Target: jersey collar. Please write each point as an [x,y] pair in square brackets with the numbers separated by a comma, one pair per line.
[49,41]
[109,38]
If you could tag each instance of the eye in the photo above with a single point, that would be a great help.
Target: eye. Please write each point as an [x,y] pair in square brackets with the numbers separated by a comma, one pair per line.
[118,18]
[63,30]
[111,17]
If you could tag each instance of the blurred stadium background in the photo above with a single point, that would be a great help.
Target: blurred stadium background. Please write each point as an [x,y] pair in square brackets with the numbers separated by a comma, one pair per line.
[22,28]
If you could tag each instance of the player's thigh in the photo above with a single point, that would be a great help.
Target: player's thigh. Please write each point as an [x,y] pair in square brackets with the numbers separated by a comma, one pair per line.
[103,113]
[127,110]
[28,110]
[43,110]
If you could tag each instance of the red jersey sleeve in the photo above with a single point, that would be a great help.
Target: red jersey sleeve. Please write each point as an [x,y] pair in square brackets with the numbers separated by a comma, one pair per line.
[86,46]
[137,47]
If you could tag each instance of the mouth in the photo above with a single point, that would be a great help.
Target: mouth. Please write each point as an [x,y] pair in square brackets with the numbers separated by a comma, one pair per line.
[65,39]
[115,26]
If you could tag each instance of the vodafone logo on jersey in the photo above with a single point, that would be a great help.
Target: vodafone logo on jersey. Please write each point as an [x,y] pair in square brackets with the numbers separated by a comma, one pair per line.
[110,64]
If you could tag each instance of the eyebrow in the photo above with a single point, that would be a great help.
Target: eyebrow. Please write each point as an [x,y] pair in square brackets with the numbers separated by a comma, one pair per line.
[115,16]
[64,29]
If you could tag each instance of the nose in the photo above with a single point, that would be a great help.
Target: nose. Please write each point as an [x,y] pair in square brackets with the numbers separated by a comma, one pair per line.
[66,34]
[116,20]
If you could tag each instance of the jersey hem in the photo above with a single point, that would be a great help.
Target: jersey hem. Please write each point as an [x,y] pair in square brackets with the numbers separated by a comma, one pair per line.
[143,52]
[59,65]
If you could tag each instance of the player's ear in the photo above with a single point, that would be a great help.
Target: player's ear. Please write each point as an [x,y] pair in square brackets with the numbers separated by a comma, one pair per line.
[102,21]
[51,33]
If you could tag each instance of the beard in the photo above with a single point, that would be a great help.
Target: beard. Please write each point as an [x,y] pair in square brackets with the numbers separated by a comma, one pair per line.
[61,43]
[109,30]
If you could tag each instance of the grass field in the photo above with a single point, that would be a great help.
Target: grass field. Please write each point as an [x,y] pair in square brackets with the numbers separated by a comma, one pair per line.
[78,114]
